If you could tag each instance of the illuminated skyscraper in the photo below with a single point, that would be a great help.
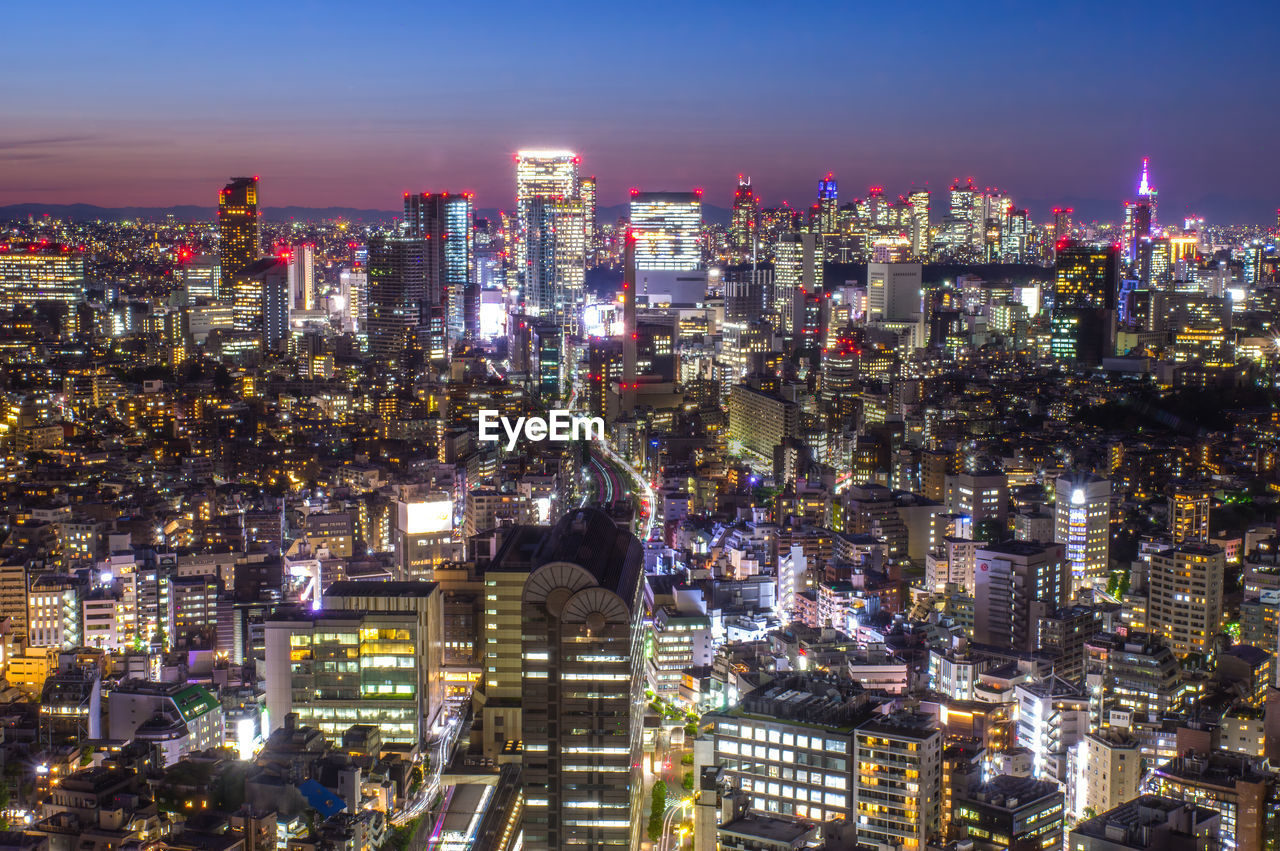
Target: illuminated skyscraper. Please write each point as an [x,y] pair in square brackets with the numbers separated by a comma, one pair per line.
[877,206]
[302,276]
[920,236]
[627,388]
[261,300]
[667,227]
[33,273]
[1082,524]
[445,221]
[555,271]
[964,225]
[1139,219]
[894,291]
[581,696]
[1013,240]
[1148,193]
[840,375]
[1062,224]
[1086,284]
[744,225]
[797,273]
[239,228]
[397,293]
[828,204]
[668,230]
[587,192]
[546,174]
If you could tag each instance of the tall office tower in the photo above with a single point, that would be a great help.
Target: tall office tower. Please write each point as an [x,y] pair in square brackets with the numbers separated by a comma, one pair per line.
[445,221]
[877,206]
[582,690]
[995,221]
[627,387]
[1189,504]
[541,174]
[1147,195]
[199,274]
[556,268]
[964,214]
[261,301]
[1184,596]
[1062,224]
[503,654]
[840,376]
[894,291]
[828,204]
[35,273]
[920,237]
[373,656]
[746,290]
[1015,584]
[668,230]
[587,192]
[302,276]
[744,223]
[898,788]
[1085,288]
[797,273]
[353,286]
[1137,229]
[239,229]
[668,233]
[1129,235]
[1082,524]
[1014,239]
[397,293]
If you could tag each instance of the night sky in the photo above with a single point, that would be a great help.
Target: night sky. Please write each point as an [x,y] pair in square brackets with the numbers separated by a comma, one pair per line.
[353,103]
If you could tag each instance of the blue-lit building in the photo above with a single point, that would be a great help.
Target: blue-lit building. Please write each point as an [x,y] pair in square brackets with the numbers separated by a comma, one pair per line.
[445,221]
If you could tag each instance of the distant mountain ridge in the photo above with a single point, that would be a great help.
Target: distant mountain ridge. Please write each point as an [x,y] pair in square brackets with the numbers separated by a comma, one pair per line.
[184,213]
[197,213]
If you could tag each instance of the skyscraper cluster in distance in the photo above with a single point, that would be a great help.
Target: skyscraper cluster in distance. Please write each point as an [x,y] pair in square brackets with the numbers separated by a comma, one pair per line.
[919,520]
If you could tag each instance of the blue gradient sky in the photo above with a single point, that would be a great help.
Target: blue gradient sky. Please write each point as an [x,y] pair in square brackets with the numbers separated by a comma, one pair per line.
[353,103]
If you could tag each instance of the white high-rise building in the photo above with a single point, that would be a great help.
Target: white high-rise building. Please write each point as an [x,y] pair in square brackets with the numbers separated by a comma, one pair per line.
[1082,524]
[667,227]
[302,276]
[893,291]
[555,274]
[797,271]
[920,236]
[668,230]
[545,174]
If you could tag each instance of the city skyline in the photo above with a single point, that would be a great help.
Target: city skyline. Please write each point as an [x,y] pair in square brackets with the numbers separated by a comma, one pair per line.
[686,107]
[425,428]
